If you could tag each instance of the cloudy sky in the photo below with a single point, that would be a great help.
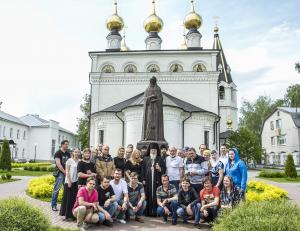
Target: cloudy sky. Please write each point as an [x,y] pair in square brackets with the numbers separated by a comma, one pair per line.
[44,45]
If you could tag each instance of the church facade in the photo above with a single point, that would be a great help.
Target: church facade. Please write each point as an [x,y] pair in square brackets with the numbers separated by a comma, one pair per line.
[199,96]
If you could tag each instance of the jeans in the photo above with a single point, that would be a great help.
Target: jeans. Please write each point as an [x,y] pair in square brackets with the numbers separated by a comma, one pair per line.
[181,212]
[172,206]
[212,214]
[139,213]
[111,209]
[121,214]
[59,181]
[175,183]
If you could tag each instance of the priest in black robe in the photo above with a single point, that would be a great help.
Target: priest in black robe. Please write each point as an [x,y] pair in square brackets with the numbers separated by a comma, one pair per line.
[153,168]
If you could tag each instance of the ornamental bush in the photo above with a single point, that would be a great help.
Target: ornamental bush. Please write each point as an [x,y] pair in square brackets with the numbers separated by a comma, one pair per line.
[18,215]
[259,191]
[289,168]
[23,165]
[8,176]
[42,187]
[271,174]
[5,157]
[263,215]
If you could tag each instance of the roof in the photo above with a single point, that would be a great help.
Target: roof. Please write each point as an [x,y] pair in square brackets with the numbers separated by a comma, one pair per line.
[225,135]
[34,121]
[65,130]
[225,75]
[11,118]
[294,112]
[168,100]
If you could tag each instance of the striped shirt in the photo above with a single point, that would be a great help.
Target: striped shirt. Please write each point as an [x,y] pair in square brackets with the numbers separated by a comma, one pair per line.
[162,195]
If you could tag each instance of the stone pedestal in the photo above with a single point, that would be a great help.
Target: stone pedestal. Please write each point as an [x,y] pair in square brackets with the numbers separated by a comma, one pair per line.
[146,143]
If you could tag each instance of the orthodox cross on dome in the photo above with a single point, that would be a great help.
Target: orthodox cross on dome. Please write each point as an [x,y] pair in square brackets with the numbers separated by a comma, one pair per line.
[216,19]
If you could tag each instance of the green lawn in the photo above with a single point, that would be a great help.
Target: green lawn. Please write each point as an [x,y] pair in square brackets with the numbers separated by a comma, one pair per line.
[61,229]
[19,172]
[283,180]
[7,181]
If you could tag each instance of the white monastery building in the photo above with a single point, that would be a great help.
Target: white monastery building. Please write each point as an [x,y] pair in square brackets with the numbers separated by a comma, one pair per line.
[199,95]
[281,136]
[33,138]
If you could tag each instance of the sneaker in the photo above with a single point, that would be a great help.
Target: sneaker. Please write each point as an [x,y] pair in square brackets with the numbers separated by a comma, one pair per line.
[185,222]
[54,208]
[108,223]
[165,220]
[202,221]
[139,219]
[174,222]
[85,225]
[122,221]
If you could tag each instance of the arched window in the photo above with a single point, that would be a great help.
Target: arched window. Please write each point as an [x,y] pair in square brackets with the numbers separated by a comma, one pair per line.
[221,92]
[108,69]
[153,68]
[176,68]
[130,68]
[199,68]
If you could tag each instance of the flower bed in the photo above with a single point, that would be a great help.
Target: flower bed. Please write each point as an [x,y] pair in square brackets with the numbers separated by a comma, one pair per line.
[259,191]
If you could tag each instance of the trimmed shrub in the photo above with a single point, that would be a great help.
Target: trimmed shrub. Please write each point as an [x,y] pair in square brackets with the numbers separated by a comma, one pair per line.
[36,168]
[3,177]
[25,168]
[23,165]
[5,157]
[18,215]
[259,191]
[264,215]
[42,187]
[51,169]
[44,169]
[8,176]
[289,168]
[271,174]
[30,168]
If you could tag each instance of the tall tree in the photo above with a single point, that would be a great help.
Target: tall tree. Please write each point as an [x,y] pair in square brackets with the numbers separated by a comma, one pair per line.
[5,157]
[83,122]
[292,96]
[248,144]
[254,114]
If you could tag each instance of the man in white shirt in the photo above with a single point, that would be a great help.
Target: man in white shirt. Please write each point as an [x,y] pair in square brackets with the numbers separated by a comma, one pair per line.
[223,155]
[121,192]
[174,165]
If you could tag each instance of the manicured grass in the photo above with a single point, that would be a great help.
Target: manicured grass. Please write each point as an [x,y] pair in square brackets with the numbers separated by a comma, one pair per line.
[7,181]
[283,180]
[19,172]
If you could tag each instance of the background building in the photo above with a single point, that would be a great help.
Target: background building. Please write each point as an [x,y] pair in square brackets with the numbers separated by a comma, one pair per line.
[281,136]
[199,96]
[33,138]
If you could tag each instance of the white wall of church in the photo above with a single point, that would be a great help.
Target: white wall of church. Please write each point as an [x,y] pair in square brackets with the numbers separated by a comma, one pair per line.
[173,126]
[133,118]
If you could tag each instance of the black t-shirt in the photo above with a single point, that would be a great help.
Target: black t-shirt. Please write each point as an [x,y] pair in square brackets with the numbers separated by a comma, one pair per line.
[120,163]
[63,156]
[129,166]
[84,167]
[105,194]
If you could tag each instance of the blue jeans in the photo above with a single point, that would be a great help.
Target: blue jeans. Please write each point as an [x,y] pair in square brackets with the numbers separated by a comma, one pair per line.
[172,206]
[120,214]
[111,209]
[59,181]
[175,183]
[139,213]
[181,212]
[212,214]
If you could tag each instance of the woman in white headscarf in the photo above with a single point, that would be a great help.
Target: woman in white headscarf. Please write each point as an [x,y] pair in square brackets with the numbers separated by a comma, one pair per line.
[216,170]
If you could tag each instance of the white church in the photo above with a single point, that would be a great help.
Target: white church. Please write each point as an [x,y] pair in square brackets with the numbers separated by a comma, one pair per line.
[199,95]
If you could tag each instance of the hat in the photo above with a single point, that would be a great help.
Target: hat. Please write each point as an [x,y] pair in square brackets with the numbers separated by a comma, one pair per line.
[154,146]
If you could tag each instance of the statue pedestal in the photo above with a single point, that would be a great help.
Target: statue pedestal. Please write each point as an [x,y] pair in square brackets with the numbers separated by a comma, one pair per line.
[146,143]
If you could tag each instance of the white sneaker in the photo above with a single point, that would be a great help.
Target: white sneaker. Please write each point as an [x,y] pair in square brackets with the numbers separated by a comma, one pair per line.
[122,221]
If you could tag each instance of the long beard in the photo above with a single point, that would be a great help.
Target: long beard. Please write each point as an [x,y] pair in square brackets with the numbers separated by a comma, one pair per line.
[153,156]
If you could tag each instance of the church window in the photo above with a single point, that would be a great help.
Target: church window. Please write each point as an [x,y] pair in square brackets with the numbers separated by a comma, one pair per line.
[153,68]
[108,69]
[176,68]
[100,136]
[221,92]
[220,68]
[206,139]
[199,68]
[130,68]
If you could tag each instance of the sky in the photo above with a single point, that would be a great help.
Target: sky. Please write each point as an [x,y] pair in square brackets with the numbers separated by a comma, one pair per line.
[44,45]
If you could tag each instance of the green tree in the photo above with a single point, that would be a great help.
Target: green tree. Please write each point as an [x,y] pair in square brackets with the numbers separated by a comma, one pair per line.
[292,96]
[289,167]
[83,122]
[254,114]
[248,144]
[5,157]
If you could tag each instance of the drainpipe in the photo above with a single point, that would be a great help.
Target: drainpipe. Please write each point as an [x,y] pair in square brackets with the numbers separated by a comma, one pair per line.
[183,128]
[123,127]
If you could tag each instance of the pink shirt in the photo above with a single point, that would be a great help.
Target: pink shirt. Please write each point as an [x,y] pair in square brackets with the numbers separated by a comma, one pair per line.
[83,192]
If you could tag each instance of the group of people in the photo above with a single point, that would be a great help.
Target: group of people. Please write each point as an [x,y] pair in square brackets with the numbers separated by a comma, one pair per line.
[152,181]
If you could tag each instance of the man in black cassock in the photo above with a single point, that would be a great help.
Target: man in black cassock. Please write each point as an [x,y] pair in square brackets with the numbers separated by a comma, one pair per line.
[153,168]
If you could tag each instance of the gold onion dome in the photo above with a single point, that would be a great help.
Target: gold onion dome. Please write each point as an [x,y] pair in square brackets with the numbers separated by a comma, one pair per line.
[115,22]
[153,23]
[192,20]
[216,29]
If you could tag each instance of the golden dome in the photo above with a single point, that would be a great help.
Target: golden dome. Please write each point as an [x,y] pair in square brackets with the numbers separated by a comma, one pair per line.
[216,29]
[115,21]
[192,20]
[229,123]
[153,23]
